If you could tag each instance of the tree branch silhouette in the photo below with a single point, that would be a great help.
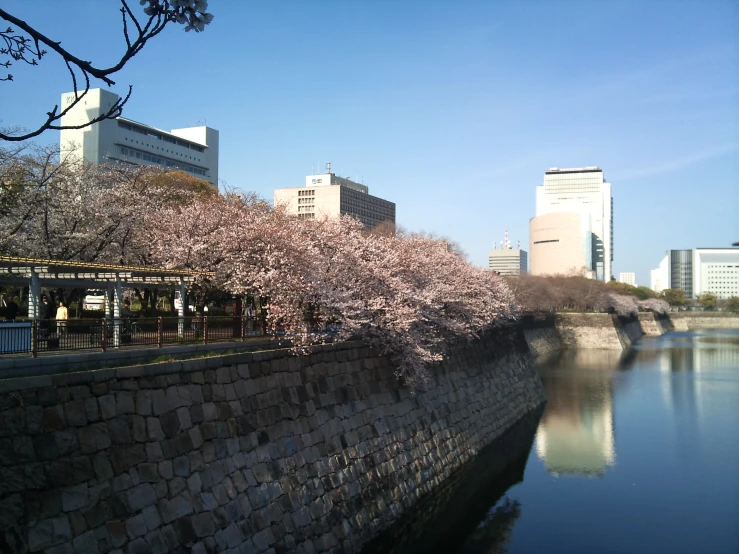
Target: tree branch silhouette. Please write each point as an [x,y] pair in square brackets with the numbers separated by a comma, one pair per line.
[21,42]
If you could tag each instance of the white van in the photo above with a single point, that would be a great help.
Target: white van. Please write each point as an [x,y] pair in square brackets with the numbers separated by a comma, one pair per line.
[94,300]
[178,302]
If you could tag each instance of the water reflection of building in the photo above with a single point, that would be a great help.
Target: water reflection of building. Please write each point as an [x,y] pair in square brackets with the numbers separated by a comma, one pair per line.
[701,353]
[689,365]
[575,435]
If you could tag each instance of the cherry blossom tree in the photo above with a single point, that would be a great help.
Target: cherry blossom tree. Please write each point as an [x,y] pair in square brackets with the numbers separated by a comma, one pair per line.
[654,305]
[23,43]
[409,295]
[53,208]
[621,305]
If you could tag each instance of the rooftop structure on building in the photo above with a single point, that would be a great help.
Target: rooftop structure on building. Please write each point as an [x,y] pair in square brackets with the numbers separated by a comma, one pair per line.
[328,195]
[586,192]
[507,260]
[699,270]
[190,149]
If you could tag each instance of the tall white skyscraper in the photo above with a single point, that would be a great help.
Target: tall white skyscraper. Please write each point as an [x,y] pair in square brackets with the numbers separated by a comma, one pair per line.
[585,191]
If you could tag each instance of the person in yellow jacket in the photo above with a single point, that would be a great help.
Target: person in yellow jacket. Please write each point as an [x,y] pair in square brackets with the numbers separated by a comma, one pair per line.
[61,319]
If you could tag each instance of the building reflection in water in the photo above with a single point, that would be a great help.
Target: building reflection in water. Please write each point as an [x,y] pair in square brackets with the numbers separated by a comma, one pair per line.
[575,435]
[689,363]
[700,352]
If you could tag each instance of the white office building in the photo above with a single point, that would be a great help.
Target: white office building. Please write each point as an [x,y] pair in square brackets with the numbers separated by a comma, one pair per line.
[658,278]
[508,261]
[190,149]
[699,270]
[628,278]
[330,195]
[584,191]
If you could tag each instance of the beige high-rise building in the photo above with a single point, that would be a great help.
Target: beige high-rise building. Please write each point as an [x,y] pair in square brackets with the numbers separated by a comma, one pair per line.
[627,277]
[330,195]
[560,244]
[583,190]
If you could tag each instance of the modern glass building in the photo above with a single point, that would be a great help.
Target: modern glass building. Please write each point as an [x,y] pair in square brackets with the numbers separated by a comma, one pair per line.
[699,270]
[681,271]
[585,191]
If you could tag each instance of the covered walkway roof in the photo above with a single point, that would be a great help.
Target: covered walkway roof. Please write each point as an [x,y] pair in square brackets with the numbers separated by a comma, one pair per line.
[36,272]
[16,270]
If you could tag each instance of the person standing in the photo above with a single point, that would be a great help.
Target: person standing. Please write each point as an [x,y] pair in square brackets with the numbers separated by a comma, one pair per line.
[12,310]
[44,315]
[61,319]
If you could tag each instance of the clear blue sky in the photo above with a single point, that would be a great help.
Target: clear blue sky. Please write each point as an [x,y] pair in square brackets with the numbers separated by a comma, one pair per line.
[453,110]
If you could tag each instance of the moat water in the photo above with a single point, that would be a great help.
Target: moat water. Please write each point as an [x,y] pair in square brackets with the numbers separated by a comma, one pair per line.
[634,452]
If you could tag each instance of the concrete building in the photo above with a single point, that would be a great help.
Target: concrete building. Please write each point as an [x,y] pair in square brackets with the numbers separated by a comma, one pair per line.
[508,261]
[584,191]
[628,278]
[699,270]
[560,243]
[658,278]
[330,195]
[190,149]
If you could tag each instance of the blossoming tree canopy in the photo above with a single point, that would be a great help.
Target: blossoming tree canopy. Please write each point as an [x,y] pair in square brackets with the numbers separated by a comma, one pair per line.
[408,295]
[50,208]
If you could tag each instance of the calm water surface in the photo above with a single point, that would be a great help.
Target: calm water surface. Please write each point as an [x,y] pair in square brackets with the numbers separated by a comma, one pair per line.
[634,452]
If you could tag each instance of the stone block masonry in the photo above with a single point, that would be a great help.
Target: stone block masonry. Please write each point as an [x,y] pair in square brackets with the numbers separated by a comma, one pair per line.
[256,452]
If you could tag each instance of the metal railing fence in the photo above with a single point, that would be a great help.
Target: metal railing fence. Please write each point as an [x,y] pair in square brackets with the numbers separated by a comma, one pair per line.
[49,335]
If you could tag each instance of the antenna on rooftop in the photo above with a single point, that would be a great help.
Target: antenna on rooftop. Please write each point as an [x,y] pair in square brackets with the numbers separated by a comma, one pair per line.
[328,167]
[507,242]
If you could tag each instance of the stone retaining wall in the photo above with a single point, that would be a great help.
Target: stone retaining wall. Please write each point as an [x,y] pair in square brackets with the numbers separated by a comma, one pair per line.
[689,321]
[258,452]
[591,331]
[653,325]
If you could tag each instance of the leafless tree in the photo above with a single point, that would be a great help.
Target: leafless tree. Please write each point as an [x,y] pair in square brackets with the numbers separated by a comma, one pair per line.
[22,43]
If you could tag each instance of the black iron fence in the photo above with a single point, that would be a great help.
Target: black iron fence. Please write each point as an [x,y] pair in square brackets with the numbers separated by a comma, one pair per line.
[47,335]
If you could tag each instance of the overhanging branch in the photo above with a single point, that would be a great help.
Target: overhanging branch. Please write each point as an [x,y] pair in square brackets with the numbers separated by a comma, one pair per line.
[29,48]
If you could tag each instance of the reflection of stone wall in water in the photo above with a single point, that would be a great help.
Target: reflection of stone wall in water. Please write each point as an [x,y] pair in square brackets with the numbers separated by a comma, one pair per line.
[575,435]
[463,509]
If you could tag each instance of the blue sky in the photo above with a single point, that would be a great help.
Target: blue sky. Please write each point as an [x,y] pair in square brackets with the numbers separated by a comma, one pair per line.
[453,110]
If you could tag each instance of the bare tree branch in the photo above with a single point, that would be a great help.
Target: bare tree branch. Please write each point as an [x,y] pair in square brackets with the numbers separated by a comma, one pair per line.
[28,48]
